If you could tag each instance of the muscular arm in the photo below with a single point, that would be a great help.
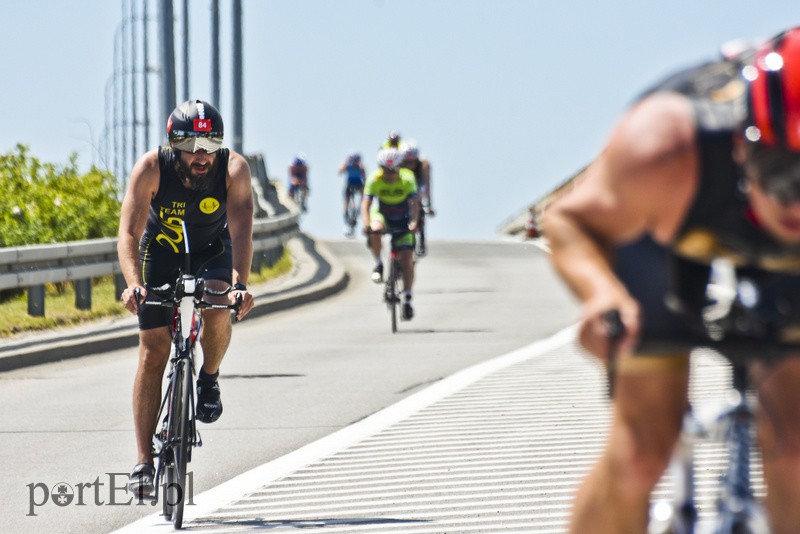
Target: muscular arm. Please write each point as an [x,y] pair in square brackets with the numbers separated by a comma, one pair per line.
[135,208]
[240,216]
[642,183]
[366,204]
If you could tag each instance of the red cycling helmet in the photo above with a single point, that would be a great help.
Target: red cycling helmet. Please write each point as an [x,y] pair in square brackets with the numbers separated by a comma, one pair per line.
[774,93]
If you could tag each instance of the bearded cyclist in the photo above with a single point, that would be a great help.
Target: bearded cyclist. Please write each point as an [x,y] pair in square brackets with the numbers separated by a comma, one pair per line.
[421,168]
[693,171]
[195,181]
[396,210]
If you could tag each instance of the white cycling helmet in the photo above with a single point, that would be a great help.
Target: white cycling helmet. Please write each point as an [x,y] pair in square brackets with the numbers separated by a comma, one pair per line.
[410,149]
[390,158]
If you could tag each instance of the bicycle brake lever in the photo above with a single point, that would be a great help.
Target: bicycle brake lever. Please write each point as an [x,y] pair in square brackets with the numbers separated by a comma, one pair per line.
[614,332]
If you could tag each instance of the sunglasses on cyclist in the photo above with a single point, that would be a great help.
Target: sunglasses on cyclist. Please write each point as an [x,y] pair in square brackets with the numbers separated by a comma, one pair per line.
[195,143]
[777,172]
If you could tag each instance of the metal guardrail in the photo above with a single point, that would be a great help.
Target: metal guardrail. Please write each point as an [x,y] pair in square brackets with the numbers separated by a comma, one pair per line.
[27,266]
[79,261]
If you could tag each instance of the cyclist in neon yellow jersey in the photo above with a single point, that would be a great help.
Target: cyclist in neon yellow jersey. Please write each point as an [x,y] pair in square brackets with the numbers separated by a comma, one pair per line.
[396,209]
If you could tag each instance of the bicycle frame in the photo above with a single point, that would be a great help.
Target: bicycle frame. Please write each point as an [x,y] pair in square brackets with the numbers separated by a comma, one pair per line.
[738,510]
[173,441]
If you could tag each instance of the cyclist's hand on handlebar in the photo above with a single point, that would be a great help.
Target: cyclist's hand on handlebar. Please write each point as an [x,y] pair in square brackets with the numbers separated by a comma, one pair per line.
[245,300]
[597,333]
[412,226]
[132,296]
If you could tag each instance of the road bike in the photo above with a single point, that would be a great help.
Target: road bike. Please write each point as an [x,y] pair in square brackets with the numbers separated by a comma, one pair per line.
[299,194]
[421,249]
[177,434]
[352,209]
[391,289]
[740,321]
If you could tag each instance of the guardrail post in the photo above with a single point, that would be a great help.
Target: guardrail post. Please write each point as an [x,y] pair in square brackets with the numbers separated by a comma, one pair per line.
[119,285]
[272,255]
[36,301]
[83,294]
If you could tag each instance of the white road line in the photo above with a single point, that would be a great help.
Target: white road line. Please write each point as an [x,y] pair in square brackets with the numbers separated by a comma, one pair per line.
[252,480]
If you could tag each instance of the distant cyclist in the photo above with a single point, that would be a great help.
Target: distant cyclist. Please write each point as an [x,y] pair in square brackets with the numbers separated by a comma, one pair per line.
[396,209]
[393,140]
[298,181]
[197,182]
[355,176]
[421,168]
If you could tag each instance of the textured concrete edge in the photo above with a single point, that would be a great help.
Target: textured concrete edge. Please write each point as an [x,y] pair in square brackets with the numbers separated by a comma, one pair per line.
[331,279]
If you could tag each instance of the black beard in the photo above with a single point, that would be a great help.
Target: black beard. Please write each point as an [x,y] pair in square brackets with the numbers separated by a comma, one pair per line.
[193,182]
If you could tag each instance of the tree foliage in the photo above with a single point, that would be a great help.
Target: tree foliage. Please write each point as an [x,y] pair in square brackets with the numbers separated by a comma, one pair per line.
[49,203]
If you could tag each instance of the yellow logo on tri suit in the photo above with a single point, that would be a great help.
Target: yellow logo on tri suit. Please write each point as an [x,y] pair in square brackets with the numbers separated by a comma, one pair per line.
[209,205]
[171,233]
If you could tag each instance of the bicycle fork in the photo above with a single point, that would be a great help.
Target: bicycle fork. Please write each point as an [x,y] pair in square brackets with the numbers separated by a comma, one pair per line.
[679,516]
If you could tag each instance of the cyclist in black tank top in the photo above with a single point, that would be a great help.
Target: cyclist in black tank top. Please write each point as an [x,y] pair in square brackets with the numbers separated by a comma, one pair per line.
[705,166]
[197,184]
[421,168]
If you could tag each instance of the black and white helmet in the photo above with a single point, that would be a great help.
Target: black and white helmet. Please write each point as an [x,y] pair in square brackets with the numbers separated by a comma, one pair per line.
[195,125]
[390,158]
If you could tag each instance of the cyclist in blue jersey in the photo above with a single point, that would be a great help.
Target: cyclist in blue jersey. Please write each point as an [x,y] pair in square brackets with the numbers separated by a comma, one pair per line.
[355,176]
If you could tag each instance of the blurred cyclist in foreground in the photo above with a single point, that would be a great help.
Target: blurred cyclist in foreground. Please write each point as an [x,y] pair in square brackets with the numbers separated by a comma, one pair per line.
[692,171]
[397,210]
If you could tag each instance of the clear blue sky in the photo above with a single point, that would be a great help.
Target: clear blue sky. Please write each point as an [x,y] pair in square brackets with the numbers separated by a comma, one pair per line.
[506,98]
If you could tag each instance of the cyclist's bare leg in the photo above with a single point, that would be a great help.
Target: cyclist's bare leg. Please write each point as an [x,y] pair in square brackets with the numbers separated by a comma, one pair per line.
[648,409]
[779,433]
[154,346]
[375,239]
[216,334]
[406,258]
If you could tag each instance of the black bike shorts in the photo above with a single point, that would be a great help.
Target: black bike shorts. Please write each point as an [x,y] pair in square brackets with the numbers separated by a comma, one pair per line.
[646,269]
[161,265]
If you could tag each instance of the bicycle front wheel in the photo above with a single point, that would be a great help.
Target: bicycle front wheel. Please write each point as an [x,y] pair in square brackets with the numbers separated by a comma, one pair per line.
[391,289]
[182,446]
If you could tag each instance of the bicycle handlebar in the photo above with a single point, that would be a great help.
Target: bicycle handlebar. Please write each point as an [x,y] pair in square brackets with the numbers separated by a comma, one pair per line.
[736,348]
[169,296]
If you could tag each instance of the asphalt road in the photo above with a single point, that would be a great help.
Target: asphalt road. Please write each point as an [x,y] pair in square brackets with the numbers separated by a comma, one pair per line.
[290,378]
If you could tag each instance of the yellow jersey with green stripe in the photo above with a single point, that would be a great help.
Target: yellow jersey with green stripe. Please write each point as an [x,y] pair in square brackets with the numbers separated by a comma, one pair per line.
[392,197]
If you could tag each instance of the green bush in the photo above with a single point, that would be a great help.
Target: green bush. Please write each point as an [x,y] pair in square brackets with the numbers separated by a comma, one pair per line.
[48,203]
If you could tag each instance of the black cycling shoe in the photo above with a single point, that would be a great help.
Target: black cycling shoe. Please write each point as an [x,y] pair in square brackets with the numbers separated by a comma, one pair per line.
[141,480]
[209,404]
[408,311]
[377,274]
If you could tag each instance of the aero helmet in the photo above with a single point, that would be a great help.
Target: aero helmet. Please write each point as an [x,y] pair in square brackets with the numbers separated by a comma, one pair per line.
[195,125]
[390,158]
[774,93]
[772,126]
